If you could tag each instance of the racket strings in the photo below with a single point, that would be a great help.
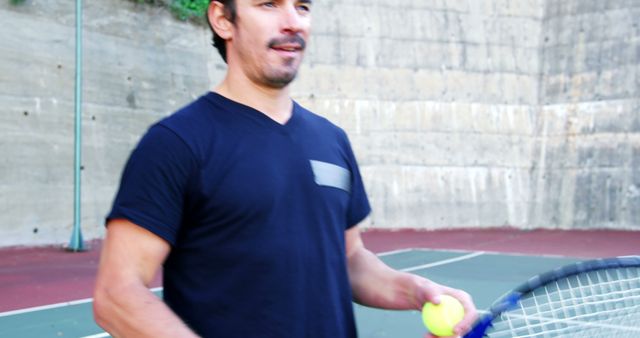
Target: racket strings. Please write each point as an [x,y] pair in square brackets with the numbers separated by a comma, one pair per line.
[602,303]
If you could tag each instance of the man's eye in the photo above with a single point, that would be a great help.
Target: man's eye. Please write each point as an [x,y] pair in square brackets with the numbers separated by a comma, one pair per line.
[304,8]
[269,4]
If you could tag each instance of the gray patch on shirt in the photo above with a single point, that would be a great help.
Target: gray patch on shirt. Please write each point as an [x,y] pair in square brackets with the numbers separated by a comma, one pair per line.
[331,175]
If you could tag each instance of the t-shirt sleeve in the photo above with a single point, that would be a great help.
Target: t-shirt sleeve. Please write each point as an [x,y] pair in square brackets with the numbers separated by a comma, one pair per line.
[359,207]
[154,183]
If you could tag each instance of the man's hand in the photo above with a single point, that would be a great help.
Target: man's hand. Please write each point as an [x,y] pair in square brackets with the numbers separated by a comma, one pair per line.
[375,284]
[428,291]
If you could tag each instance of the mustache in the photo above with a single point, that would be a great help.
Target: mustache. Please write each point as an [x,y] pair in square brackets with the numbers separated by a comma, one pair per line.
[290,39]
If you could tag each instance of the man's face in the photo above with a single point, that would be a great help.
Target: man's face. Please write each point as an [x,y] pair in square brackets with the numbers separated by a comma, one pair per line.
[269,38]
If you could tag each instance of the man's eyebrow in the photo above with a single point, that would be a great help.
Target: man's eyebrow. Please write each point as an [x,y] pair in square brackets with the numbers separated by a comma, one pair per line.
[306,1]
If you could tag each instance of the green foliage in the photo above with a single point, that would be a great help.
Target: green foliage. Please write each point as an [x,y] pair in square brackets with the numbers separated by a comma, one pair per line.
[189,9]
[192,10]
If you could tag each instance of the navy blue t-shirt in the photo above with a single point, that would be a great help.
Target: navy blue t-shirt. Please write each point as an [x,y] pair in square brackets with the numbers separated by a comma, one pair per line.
[255,213]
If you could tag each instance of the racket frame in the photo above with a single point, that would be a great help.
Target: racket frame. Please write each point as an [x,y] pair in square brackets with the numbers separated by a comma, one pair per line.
[510,300]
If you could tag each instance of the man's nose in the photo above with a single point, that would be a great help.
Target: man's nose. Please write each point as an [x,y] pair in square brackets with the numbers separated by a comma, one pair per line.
[292,21]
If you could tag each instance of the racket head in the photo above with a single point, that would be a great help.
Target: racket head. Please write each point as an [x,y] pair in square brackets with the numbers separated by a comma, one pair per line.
[596,298]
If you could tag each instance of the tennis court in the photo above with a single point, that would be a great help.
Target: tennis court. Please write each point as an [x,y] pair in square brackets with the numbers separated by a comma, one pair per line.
[485,274]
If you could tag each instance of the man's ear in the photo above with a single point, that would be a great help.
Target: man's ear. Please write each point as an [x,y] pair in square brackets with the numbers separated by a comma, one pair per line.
[218,20]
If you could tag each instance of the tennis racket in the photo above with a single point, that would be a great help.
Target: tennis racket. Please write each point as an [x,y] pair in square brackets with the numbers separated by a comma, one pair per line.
[597,298]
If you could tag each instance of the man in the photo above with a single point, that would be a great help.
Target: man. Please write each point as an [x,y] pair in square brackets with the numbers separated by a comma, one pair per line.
[250,203]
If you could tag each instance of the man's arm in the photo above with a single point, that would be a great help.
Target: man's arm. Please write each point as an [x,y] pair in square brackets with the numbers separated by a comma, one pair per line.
[123,304]
[377,285]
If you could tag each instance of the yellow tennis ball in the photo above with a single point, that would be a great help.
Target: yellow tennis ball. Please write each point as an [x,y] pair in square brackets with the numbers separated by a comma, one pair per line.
[440,319]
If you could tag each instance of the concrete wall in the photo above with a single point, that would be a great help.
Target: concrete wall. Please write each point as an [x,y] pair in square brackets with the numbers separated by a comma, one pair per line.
[461,113]
[587,172]
[439,98]
[133,75]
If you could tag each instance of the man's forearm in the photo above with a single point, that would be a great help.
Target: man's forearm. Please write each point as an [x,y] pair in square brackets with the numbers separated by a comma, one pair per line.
[377,285]
[133,311]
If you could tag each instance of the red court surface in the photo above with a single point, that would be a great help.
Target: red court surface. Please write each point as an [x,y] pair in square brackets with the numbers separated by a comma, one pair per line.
[46,275]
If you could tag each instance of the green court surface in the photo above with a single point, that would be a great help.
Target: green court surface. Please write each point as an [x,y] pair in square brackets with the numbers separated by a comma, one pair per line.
[486,276]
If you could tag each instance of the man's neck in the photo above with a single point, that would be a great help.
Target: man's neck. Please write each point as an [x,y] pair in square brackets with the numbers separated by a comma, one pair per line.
[275,103]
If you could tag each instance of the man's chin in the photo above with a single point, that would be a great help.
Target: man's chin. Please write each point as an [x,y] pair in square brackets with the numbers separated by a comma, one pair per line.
[281,80]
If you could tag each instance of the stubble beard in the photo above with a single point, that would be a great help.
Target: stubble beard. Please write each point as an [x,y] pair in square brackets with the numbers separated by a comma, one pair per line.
[279,79]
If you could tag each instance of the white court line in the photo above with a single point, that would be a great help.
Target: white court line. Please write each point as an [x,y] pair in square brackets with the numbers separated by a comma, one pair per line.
[443,262]
[394,252]
[55,306]
[88,300]
[45,307]
[501,253]
[99,335]
[104,334]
